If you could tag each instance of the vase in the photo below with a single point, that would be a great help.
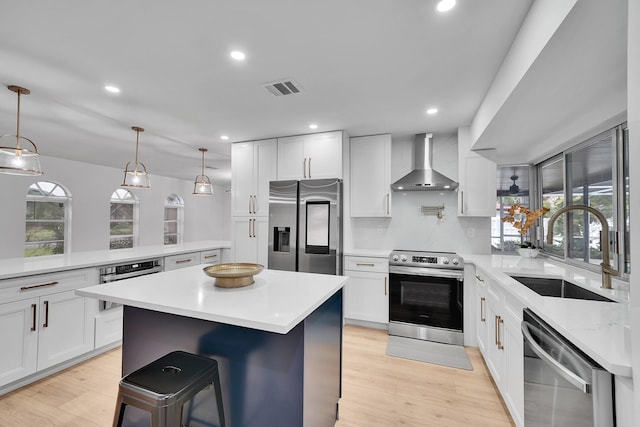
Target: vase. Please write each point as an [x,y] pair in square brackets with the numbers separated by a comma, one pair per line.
[528,252]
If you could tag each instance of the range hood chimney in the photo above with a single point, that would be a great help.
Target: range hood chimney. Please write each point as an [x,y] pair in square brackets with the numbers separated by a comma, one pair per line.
[423,177]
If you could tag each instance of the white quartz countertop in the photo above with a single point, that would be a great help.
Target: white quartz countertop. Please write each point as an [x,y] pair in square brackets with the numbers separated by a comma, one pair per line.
[276,302]
[599,329]
[17,267]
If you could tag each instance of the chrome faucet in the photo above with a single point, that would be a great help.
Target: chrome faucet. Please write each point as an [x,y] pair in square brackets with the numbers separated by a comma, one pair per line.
[607,269]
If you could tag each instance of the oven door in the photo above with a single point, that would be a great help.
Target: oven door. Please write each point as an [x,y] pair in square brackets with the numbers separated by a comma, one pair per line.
[426,296]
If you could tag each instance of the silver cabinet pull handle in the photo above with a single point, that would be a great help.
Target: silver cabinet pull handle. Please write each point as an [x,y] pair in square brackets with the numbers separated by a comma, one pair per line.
[255,203]
[385,286]
[46,315]
[249,203]
[388,199]
[462,202]
[304,167]
[365,264]
[182,261]
[483,301]
[42,285]
[33,322]
[500,322]
[495,327]
[309,167]
[479,278]
[210,256]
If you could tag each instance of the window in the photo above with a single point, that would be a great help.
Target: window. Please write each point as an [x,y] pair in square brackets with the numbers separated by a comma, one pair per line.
[46,219]
[513,186]
[173,207]
[123,219]
[594,173]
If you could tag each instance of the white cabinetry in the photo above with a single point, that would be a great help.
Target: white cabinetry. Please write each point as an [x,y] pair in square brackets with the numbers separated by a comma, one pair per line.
[174,262]
[370,173]
[477,176]
[500,341]
[210,257]
[312,156]
[43,322]
[249,239]
[253,166]
[367,291]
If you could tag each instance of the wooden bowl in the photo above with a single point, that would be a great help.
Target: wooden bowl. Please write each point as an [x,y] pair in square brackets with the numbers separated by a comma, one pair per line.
[233,275]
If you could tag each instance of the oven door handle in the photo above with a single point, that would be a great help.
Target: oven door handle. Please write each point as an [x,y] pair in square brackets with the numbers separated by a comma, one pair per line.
[565,373]
[425,271]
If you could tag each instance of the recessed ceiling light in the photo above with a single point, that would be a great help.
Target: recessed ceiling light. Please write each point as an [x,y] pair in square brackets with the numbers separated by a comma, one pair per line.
[224,137]
[446,5]
[112,89]
[313,126]
[237,55]
[432,110]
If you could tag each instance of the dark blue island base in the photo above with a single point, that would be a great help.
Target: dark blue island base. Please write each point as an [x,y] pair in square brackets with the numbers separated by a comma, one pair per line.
[268,379]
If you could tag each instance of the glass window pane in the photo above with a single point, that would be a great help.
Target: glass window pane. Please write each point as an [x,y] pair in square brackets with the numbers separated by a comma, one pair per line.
[44,231]
[171,228]
[49,210]
[121,228]
[121,211]
[170,239]
[121,243]
[31,210]
[41,249]
[170,214]
[589,173]
[552,183]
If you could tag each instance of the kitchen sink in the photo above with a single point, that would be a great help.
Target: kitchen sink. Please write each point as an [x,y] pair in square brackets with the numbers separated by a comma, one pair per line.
[553,287]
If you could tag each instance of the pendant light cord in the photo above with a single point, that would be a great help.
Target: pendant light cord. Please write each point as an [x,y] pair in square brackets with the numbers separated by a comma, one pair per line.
[203,163]
[137,141]
[18,126]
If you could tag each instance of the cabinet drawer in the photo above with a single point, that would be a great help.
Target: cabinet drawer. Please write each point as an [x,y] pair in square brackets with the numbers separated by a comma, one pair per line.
[43,284]
[372,264]
[174,262]
[210,257]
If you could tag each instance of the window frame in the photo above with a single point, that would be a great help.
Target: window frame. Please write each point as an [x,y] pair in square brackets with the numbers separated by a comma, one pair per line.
[132,200]
[173,201]
[66,220]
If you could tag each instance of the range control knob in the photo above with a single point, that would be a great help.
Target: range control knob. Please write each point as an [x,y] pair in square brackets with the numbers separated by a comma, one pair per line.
[455,261]
[403,258]
[395,258]
[445,261]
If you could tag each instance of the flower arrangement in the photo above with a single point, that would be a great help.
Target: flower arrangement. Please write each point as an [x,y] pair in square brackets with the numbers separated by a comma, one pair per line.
[522,219]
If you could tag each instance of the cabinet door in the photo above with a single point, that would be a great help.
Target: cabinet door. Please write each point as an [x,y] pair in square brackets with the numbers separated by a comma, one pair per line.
[210,257]
[481,315]
[261,238]
[242,178]
[367,297]
[370,170]
[243,244]
[19,338]
[495,354]
[265,171]
[175,262]
[514,370]
[292,163]
[66,328]
[477,192]
[323,152]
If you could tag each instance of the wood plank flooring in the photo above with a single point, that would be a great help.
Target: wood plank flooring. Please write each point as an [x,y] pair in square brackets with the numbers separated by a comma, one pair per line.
[378,390]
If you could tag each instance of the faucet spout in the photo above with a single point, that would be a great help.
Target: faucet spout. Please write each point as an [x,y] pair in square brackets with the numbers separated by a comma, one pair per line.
[607,269]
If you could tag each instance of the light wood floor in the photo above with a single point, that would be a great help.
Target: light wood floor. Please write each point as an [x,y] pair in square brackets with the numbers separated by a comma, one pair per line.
[377,390]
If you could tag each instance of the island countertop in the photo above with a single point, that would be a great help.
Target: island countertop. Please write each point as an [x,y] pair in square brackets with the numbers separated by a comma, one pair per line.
[276,302]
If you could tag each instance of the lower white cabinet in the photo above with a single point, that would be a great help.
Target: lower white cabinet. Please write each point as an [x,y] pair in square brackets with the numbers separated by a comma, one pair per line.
[210,257]
[500,341]
[174,262]
[249,237]
[367,291]
[19,337]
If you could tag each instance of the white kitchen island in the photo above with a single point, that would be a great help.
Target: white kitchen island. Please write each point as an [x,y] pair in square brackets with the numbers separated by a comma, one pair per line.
[277,342]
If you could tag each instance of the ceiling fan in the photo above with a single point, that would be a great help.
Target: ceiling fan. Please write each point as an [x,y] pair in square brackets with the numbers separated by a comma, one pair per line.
[514,190]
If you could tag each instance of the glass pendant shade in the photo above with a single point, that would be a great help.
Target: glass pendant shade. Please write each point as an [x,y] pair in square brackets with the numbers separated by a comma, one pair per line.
[202,185]
[135,173]
[16,159]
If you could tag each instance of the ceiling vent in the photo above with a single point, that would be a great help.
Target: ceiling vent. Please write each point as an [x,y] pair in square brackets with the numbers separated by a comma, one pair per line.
[282,87]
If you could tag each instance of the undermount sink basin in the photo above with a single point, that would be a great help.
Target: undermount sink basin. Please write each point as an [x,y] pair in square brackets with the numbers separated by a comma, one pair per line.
[552,287]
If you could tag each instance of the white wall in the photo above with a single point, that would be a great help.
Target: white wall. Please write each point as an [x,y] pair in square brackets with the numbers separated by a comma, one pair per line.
[91,187]
[408,228]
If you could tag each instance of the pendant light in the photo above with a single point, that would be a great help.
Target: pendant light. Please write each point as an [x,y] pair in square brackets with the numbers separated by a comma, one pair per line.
[135,173]
[19,160]
[514,190]
[202,185]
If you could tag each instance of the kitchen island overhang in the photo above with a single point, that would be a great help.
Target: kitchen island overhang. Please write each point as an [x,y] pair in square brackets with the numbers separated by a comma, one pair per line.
[278,341]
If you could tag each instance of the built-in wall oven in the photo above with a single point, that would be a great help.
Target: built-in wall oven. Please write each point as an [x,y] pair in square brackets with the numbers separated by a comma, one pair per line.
[425,296]
[126,270]
[562,385]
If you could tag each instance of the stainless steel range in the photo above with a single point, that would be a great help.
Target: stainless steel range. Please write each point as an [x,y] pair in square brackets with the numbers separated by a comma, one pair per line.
[425,295]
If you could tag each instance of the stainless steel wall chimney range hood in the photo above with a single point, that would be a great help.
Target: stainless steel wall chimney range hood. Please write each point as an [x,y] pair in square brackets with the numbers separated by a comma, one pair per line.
[423,177]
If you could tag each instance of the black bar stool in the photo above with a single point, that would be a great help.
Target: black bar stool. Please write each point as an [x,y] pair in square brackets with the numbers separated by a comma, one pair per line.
[163,386]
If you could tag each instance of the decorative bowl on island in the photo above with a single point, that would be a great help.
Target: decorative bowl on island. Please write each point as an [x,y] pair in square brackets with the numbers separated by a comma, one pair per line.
[233,275]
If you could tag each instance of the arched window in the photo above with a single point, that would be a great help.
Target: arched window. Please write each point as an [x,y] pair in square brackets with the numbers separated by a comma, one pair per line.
[46,219]
[173,207]
[123,225]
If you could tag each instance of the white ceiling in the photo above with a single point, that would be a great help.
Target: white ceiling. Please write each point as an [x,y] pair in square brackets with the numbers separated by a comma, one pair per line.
[365,66]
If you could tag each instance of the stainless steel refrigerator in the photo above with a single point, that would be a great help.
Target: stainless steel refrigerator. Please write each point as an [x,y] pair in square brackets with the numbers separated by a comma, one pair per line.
[305,226]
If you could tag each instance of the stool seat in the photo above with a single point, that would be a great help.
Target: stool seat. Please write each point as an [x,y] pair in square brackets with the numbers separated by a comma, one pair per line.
[163,386]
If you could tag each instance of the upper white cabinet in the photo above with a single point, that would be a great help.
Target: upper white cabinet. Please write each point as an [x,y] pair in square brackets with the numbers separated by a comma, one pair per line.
[253,166]
[311,156]
[477,176]
[370,173]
